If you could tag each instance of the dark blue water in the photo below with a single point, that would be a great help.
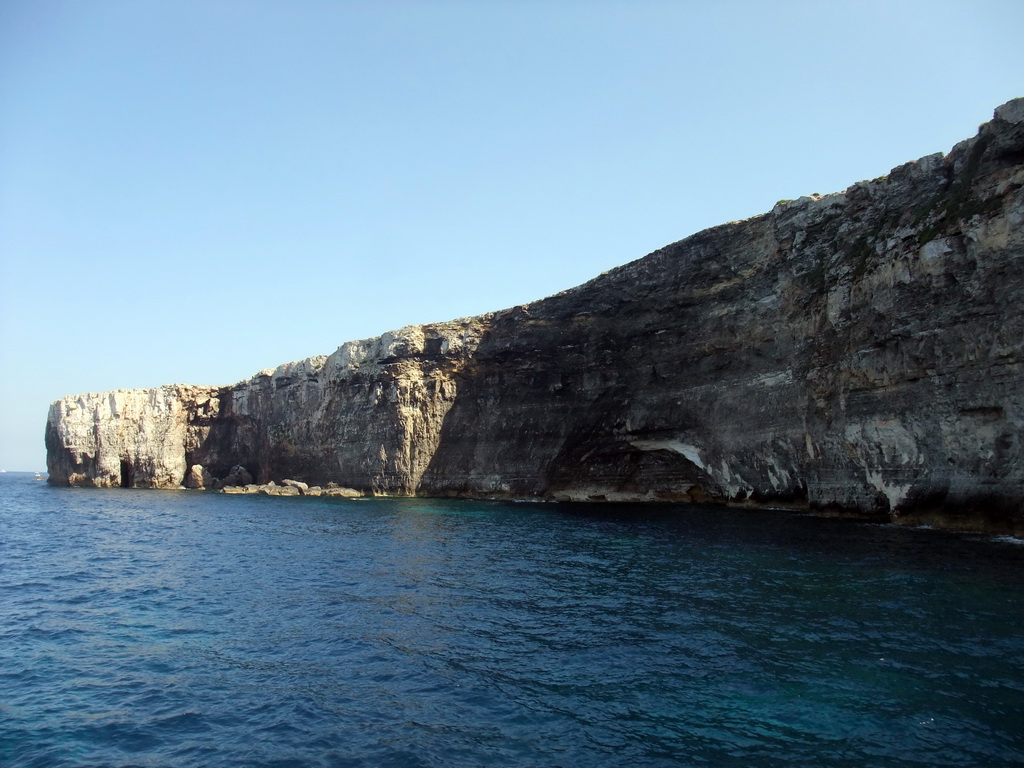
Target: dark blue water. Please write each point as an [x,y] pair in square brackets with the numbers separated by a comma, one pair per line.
[143,628]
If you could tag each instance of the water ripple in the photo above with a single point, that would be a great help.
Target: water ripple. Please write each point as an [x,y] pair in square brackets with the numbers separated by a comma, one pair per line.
[189,629]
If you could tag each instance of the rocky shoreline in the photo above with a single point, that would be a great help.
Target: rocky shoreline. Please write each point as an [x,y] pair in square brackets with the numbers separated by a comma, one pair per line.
[292,488]
[239,481]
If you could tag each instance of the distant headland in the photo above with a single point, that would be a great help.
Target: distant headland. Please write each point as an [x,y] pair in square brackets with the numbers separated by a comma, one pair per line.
[850,354]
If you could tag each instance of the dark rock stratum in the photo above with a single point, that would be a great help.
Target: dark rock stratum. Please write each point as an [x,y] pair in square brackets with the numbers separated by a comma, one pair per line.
[857,353]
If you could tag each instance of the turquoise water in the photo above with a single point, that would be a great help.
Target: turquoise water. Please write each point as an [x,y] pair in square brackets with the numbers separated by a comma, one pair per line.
[142,628]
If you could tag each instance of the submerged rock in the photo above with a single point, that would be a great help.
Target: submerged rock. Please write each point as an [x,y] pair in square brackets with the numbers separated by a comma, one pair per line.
[854,353]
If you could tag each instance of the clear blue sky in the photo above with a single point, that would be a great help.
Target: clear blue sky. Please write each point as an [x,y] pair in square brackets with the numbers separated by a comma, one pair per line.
[195,190]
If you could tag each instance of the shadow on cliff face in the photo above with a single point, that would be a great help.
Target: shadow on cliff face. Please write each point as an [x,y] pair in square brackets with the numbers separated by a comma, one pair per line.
[543,409]
[613,389]
[220,441]
[978,511]
[599,462]
[512,410]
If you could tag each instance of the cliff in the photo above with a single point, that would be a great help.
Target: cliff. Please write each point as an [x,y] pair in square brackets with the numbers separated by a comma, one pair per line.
[857,353]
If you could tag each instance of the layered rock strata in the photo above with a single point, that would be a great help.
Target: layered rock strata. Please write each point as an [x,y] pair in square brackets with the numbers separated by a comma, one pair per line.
[857,353]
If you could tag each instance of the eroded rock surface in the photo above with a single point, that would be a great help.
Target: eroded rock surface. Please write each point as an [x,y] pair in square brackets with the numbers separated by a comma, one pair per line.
[129,438]
[857,353]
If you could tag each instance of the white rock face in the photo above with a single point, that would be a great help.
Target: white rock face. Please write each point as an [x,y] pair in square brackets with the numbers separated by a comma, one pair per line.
[133,438]
[368,415]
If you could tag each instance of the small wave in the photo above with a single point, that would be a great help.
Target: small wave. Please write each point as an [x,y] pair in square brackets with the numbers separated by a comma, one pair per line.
[1007,539]
[24,585]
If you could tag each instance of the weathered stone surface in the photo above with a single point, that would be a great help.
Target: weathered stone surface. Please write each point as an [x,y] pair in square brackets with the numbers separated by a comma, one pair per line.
[346,493]
[279,490]
[238,475]
[128,438]
[857,353]
[290,488]
[199,477]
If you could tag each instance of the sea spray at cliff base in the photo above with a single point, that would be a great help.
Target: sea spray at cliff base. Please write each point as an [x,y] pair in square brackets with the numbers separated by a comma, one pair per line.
[856,353]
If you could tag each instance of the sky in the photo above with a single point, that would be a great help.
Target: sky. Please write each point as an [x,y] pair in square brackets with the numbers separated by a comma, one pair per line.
[193,191]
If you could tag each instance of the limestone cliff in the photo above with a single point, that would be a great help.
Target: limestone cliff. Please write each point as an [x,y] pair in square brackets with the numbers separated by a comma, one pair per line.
[368,416]
[858,353]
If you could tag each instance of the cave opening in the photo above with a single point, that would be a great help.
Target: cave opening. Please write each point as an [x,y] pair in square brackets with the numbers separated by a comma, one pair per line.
[127,474]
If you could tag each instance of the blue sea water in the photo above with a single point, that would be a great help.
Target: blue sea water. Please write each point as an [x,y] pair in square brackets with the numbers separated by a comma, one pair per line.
[144,628]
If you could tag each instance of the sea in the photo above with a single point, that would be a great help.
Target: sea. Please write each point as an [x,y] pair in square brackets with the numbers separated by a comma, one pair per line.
[184,628]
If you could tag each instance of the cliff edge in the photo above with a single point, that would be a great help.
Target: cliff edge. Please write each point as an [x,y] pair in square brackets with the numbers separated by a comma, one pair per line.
[857,353]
